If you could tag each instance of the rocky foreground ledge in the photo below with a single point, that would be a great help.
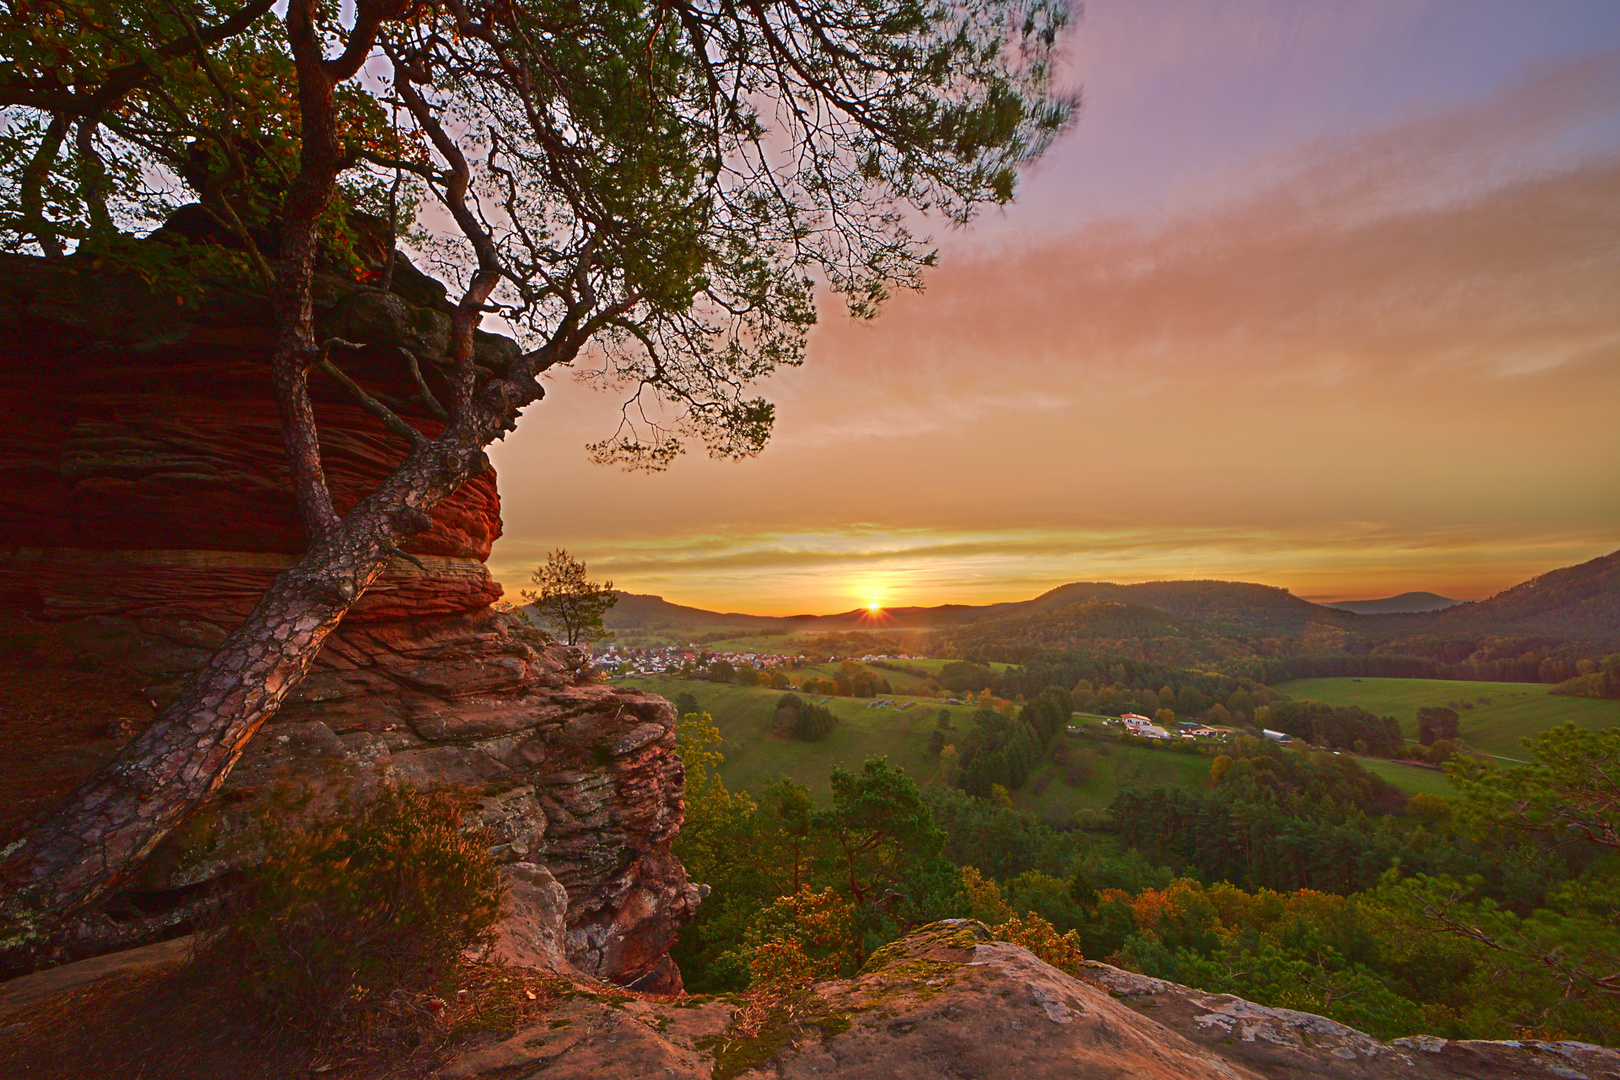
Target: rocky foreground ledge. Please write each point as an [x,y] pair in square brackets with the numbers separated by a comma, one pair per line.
[951,1002]
[947,1003]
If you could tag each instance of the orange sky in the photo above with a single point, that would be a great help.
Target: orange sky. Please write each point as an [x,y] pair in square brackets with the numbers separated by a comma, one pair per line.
[1322,296]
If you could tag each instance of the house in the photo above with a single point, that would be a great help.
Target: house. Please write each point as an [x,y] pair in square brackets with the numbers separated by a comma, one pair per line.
[1141,725]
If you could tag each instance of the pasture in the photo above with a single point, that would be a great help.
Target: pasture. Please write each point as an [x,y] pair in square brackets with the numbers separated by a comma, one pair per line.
[1412,779]
[1114,768]
[1492,716]
[755,755]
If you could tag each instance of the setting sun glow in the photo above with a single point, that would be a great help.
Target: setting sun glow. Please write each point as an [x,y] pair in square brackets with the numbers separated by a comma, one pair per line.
[1257,249]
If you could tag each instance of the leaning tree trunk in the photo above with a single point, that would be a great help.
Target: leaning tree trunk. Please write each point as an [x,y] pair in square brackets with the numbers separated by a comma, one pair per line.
[76,850]
[73,852]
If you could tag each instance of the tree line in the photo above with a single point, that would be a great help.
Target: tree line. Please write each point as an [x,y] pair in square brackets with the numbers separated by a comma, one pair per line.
[1296,879]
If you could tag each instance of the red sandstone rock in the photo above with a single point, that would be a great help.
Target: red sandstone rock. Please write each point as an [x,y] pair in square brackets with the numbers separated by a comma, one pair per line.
[144,508]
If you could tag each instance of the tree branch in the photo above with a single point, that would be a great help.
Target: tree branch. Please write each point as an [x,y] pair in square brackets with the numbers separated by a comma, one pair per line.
[121,80]
[383,413]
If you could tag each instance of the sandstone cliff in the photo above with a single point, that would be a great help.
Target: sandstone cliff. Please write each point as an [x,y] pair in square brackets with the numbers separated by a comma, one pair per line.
[144,507]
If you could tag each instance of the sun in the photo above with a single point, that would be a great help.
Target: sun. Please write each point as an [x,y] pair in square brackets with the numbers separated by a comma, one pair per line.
[874,615]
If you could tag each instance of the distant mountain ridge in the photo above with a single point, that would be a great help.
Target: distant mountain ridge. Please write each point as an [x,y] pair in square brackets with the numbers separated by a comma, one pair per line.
[639,611]
[1262,608]
[1407,603]
[642,610]
[1580,601]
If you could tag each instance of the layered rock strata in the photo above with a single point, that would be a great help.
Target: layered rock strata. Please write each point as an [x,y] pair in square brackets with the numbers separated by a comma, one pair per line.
[144,507]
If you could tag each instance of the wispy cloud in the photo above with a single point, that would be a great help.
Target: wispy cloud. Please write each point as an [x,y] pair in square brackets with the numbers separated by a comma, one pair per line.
[777,573]
[1381,361]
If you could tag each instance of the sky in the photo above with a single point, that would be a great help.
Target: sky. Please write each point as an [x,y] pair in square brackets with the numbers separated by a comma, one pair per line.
[1320,295]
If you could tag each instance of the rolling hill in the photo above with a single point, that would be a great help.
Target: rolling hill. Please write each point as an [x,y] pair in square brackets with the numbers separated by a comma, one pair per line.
[1407,603]
[1263,609]
[1580,601]
[1214,619]
[636,611]
[642,611]
[1106,627]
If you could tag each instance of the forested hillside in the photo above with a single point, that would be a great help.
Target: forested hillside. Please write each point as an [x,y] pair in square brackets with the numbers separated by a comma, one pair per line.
[1576,601]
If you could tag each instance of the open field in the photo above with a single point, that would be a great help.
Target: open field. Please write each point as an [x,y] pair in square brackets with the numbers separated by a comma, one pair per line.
[1412,779]
[1494,716]
[656,637]
[1115,768]
[755,755]
[933,666]
[900,682]
[778,644]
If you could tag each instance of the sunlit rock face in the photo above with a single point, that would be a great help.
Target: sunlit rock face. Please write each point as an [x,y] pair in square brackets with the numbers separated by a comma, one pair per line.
[144,507]
[951,1001]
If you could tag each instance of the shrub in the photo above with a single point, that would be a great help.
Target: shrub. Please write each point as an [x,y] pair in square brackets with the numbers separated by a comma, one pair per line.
[799,939]
[803,720]
[342,923]
[1037,935]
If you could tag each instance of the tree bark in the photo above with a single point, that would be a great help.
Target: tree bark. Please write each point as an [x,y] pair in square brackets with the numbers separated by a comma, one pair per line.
[82,846]
[75,851]
[72,853]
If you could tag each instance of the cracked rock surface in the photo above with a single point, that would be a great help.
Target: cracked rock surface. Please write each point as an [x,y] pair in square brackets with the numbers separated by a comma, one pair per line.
[1283,1044]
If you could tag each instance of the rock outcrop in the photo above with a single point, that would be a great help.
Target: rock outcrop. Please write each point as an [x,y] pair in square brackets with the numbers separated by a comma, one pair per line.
[951,1002]
[947,1003]
[144,507]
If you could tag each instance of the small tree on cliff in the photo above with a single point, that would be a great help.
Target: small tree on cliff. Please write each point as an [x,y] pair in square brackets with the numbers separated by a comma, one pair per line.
[572,604]
[651,188]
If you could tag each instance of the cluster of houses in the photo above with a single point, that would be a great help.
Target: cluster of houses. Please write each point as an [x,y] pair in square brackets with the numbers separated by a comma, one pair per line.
[669,660]
[1141,725]
[1136,724]
[641,663]
[886,703]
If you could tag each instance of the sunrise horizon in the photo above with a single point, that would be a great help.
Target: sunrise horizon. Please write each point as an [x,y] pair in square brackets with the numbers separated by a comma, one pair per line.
[1255,317]
[838,599]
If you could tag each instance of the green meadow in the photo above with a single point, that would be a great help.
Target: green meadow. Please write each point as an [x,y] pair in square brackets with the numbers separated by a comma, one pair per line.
[1114,768]
[1493,717]
[755,755]
[1412,779]
[901,682]
[775,644]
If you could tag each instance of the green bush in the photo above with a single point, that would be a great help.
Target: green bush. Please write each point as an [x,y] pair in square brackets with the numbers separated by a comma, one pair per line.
[803,720]
[345,923]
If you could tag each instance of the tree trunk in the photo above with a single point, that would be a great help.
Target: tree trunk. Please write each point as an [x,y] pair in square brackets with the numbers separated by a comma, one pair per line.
[72,853]
[76,850]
